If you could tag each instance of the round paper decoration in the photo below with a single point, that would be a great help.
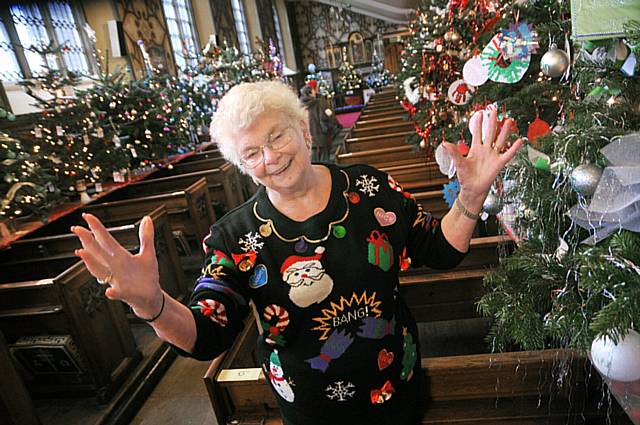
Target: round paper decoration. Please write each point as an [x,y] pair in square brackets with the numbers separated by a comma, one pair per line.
[495,57]
[474,72]
[460,92]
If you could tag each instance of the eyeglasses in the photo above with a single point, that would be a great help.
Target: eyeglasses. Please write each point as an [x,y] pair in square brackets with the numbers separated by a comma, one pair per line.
[277,140]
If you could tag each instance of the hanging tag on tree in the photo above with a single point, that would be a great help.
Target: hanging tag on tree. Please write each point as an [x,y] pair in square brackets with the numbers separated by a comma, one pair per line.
[537,128]
[474,72]
[460,92]
[99,132]
[86,139]
[495,57]
[116,141]
[37,132]
[59,131]
[134,154]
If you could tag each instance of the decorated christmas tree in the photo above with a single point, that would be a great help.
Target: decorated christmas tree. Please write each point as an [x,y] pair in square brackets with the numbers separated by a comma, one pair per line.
[570,199]
[379,77]
[324,88]
[349,80]
[27,184]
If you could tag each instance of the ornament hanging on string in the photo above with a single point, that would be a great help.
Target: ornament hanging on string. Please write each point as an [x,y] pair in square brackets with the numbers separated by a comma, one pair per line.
[495,57]
[584,179]
[474,72]
[537,128]
[555,62]
[618,362]
[460,92]
[492,204]
[413,95]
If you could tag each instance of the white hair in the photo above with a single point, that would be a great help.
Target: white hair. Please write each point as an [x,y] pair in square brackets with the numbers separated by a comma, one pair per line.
[239,108]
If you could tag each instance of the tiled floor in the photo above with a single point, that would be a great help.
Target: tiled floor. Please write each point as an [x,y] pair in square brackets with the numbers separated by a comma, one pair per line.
[179,398]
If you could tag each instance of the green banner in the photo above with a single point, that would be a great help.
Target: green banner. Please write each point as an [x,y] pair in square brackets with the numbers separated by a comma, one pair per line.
[597,19]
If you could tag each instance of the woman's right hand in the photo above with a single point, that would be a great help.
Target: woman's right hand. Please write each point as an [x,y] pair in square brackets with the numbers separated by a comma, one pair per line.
[133,278]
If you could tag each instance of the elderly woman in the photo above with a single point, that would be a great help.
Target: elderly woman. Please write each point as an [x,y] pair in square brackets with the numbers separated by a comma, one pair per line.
[317,249]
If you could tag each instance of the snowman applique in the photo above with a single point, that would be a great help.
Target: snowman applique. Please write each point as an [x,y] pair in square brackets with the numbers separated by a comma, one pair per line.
[308,280]
[276,376]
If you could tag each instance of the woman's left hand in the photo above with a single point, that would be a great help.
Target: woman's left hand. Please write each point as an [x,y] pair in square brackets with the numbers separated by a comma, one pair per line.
[478,170]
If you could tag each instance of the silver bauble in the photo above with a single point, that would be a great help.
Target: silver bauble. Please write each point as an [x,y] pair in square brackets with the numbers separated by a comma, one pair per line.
[492,204]
[555,62]
[585,178]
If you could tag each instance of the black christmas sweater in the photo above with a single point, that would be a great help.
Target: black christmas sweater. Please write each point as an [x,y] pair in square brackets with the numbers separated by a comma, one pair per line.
[339,343]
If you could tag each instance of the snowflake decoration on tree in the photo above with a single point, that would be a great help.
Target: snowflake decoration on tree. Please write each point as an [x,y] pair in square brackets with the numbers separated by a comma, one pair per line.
[251,242]
[368,184]
[450,192]
[340,391]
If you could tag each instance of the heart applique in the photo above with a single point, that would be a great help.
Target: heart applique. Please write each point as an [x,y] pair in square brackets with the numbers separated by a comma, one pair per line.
[385,359]
[384,218]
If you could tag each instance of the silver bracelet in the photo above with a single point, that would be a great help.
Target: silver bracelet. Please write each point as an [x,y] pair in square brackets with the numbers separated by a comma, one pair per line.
[465,211]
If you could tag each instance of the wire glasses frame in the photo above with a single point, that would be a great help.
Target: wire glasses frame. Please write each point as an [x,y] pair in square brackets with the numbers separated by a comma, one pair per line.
[276,141]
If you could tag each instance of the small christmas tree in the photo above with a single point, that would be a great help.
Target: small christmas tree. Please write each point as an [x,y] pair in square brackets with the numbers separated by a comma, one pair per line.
[349,80]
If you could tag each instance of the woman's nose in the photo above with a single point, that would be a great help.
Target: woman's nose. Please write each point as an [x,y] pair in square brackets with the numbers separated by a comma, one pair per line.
[270,156]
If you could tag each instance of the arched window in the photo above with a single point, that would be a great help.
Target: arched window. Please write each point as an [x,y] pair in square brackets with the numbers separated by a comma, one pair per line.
[357,53]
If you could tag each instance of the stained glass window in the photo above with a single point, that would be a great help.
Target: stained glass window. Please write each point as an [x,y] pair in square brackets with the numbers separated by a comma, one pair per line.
[33,34]
[276,21]
[68,35]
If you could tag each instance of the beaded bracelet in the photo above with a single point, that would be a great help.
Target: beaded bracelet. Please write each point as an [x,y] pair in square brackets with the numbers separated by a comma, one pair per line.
[465,211]
[157,315]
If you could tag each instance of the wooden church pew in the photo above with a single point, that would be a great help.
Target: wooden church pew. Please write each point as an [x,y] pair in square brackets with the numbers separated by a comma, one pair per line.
[365,143]
[189,210]
[222,184]
[35,251]
[384,157]
[393,127]
[60,302]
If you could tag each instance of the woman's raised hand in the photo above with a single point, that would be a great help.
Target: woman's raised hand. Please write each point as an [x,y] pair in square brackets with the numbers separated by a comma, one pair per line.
[477,172]
[132,278]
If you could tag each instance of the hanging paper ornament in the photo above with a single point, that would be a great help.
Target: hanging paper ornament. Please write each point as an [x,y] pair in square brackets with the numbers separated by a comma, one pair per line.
[538,128]
[445,161]
[555,62]
[521,41]
[585,178]
[500,68]
[450,192]
[460,92]
[619,362]
[492,204]
[413,95]
[474,72]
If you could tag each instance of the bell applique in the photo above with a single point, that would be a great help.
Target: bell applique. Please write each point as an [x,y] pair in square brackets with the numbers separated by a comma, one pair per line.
[245,261]
[383,394]
[380,251]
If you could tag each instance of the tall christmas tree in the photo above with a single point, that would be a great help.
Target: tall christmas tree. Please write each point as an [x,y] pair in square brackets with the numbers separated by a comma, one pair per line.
[570,198]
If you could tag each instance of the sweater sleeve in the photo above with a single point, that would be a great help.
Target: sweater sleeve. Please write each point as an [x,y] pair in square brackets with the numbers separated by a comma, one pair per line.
[219,303]
[426,244]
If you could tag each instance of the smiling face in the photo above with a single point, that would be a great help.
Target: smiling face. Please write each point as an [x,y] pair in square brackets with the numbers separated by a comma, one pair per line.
[281,170]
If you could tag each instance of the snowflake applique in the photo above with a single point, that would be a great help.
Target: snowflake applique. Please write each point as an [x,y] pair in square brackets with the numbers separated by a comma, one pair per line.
[450,192]
[340,391]
[251,242]
[367,184]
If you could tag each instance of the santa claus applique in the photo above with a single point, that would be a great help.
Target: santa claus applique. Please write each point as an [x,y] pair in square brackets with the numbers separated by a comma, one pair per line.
[308,280]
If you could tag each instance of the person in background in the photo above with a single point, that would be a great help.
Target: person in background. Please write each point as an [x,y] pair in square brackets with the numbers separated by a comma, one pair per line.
[322,122]
[317,252]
